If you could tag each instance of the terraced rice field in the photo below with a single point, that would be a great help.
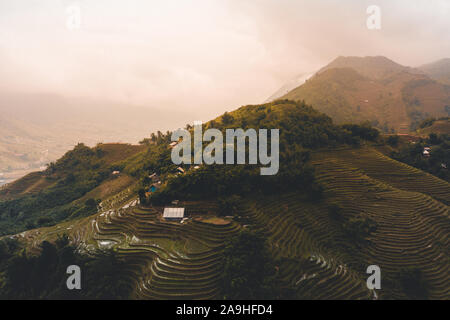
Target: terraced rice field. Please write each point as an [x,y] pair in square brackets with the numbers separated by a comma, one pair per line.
[304,239]
[315,258]
[165,260]
[409,206]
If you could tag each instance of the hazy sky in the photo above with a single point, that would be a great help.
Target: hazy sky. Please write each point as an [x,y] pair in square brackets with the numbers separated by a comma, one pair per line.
[213,55]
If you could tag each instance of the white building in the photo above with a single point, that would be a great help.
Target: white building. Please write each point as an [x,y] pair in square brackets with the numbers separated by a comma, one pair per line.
[174,214]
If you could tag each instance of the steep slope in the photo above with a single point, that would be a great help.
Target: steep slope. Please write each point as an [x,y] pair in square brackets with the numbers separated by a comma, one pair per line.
[374,89]
[439,70]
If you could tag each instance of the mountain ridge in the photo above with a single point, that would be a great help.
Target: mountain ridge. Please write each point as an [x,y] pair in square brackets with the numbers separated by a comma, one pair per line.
[392,97]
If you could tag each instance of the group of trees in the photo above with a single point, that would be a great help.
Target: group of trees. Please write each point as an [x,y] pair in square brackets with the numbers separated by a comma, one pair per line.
[411,281]
[157,138]
[360,132]
[229,206]
[359,228]
[249,271]
[44,276]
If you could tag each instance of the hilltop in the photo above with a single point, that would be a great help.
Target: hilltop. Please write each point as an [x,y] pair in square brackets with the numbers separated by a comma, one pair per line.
[394,98]
[377,67]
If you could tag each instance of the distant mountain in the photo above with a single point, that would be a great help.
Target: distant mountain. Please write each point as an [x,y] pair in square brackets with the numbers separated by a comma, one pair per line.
[391,96]
[377,67]
[439,70]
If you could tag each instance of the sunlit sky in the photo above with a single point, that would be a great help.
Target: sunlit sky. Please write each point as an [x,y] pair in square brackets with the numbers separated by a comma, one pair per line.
[207,55]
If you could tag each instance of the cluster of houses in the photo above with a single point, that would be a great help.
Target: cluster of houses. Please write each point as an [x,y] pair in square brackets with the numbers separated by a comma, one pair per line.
[170,213]
[156,181]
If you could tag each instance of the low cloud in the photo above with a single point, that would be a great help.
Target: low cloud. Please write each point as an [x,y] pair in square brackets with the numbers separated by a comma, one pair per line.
[207,56]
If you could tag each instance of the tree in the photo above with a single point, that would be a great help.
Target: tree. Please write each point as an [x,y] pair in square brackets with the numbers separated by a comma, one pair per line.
[212,124]
[433,138]
[227,118]
[228,206]
[335,211]
[359,228]
[247,268]
[142,197]
[412,283]
[91,203]
[393,140]
[43,276]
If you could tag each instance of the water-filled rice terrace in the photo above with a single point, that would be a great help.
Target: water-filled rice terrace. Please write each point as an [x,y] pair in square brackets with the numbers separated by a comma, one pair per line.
[165,260]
